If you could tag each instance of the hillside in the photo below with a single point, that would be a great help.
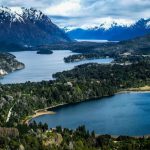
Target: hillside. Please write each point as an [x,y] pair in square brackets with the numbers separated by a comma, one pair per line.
[112,31]
[28,27]
[133,50]
[136,45]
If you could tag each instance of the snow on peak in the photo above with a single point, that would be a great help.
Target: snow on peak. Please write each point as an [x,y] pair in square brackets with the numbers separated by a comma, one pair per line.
[107,23]
[102,23]
[11,13]
[17,10]
[32,14]
[68,28]
[148,24]
[20,13]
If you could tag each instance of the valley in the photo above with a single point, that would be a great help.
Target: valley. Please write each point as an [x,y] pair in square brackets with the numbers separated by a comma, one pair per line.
[85,74]
[62,94]
[85,82]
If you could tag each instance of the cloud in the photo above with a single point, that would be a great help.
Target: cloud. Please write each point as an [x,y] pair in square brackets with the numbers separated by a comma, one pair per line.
[86,11]
[65,8]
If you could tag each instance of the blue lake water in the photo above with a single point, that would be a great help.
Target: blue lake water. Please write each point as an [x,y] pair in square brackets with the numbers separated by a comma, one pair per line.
[95,40]
[122,114]
[41,67]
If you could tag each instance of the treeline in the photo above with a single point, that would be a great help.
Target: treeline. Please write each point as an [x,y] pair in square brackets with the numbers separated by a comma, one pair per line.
[29,97]
[85,82]
[80,57]
[131,59]
[114,76]
[126,58]
[37,137]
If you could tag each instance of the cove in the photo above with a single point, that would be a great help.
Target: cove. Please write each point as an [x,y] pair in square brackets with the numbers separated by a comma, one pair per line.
[122,114]
[42,67]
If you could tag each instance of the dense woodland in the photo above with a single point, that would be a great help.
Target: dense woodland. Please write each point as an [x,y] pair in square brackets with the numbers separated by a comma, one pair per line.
[85,82]
[129,51]
[80,57]
[130,69]
[37,137]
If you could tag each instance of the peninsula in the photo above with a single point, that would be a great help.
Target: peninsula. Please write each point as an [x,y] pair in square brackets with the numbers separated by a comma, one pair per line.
[8,64]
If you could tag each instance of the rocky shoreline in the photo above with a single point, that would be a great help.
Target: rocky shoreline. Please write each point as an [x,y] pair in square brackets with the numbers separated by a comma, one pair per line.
[8,64]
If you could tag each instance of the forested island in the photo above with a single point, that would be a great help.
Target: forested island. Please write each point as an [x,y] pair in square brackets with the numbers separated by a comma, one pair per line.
[125,58]
[8,64]
[80,57]
[44,51]
[124,52]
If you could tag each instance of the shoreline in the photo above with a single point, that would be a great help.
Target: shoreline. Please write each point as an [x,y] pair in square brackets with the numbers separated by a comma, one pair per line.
[37,114]
[16,69]
[144,89]
[126,92]
[41,112]
[47,111]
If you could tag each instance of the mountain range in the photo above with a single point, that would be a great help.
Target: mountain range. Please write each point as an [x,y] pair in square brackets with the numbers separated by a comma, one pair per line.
[111,31]
[28,27]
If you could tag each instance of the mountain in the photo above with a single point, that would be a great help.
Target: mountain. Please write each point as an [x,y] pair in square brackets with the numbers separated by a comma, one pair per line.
[28,27]
[112,31]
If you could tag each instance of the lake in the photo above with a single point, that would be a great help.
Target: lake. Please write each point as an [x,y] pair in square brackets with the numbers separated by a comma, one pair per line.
[41,67]
[122,114]
[95,40]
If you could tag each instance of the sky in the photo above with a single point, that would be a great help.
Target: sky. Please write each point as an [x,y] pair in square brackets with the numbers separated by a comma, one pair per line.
[87,12]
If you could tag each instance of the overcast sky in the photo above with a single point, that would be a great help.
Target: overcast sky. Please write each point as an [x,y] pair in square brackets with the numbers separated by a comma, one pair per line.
[79,12]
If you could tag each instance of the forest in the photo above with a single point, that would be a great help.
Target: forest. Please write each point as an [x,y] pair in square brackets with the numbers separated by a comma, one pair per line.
[84,82]
[38,137]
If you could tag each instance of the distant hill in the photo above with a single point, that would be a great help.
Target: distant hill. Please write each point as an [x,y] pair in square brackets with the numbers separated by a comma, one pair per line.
[111,31]
[28,27]
[139,45]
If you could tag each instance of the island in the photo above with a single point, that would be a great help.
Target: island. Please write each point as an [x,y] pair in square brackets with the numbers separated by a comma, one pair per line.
[44,51]
[124,52]
[81,57]
[8,64]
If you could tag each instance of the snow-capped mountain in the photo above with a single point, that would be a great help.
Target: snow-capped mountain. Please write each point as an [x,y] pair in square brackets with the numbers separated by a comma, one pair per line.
[28,27]
[110,30]
[103,23]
